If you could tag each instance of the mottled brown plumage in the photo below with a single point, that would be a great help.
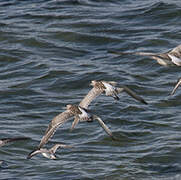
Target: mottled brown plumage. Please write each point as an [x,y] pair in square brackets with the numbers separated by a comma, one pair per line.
[72,110]
[54,124]
[99,88]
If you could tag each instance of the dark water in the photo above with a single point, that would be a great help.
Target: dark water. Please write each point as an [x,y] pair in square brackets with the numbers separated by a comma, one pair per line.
[49,53]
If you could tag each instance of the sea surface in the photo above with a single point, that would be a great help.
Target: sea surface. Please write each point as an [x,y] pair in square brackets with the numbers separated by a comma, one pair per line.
[50,50]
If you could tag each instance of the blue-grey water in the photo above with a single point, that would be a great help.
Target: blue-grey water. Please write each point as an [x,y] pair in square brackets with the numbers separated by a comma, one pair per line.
[50,50]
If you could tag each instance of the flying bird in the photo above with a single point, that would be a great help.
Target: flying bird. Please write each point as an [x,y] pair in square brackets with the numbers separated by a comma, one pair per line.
[71,111]
[5,141]
[172,57]
[109,89]
[176,86]
[81,113]
[48,153]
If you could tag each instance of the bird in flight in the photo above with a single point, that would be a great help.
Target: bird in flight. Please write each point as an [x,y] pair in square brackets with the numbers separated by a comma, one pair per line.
[81,113]
[60,119]
[109,89]
[171,57]
[48,153]
[72,110]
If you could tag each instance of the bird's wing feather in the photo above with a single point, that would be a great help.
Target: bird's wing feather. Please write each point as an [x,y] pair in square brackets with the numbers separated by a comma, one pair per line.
[131,93]
[132,53]
[54,124]
[5,141]
[75,122]
[92,94]
[176,86]
[155,56]
[106,129]
[176,50]
[56,146]
[33,153]
[113,83]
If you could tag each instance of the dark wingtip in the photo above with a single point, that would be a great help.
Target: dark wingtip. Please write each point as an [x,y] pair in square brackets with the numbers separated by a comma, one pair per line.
[116,52]
[114,138]
[28,157]
[30,154]
[144,102]
[116,98]
[71,129]
[110,51]
[16,139]
[24,138]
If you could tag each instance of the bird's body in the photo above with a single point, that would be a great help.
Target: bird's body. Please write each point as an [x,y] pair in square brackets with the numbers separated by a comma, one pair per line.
[172,57]
[85,114]
[110,90]
[48,153]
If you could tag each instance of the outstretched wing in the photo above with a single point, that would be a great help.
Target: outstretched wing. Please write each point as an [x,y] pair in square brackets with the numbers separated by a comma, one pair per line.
[132,53]
[106,129]
[176,86]
[33,153]
[131,93]
[5,141]
[54,124]
[175,55]
[75,122]
[156,56]
[113,83]
[56,146]
[176,50]
[92,94]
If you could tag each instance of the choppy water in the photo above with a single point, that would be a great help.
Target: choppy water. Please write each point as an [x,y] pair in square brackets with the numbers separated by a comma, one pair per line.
[49,53]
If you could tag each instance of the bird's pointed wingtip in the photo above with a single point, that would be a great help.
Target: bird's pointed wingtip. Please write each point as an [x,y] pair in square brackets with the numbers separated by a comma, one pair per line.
[144,102]
[71,129]
[116,98]
[172,93]
[30,155]
[114,138]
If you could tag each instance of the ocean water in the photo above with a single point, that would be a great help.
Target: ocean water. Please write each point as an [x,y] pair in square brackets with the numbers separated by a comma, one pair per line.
[50,50]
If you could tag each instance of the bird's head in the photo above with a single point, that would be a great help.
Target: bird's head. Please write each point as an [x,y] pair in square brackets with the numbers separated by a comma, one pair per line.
[93,82]
[69,106]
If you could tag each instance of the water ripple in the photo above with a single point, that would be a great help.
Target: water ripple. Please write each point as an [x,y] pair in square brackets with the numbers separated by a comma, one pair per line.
[51,50]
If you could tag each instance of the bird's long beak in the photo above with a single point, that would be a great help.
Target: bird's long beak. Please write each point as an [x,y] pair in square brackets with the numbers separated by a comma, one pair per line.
[176,86]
